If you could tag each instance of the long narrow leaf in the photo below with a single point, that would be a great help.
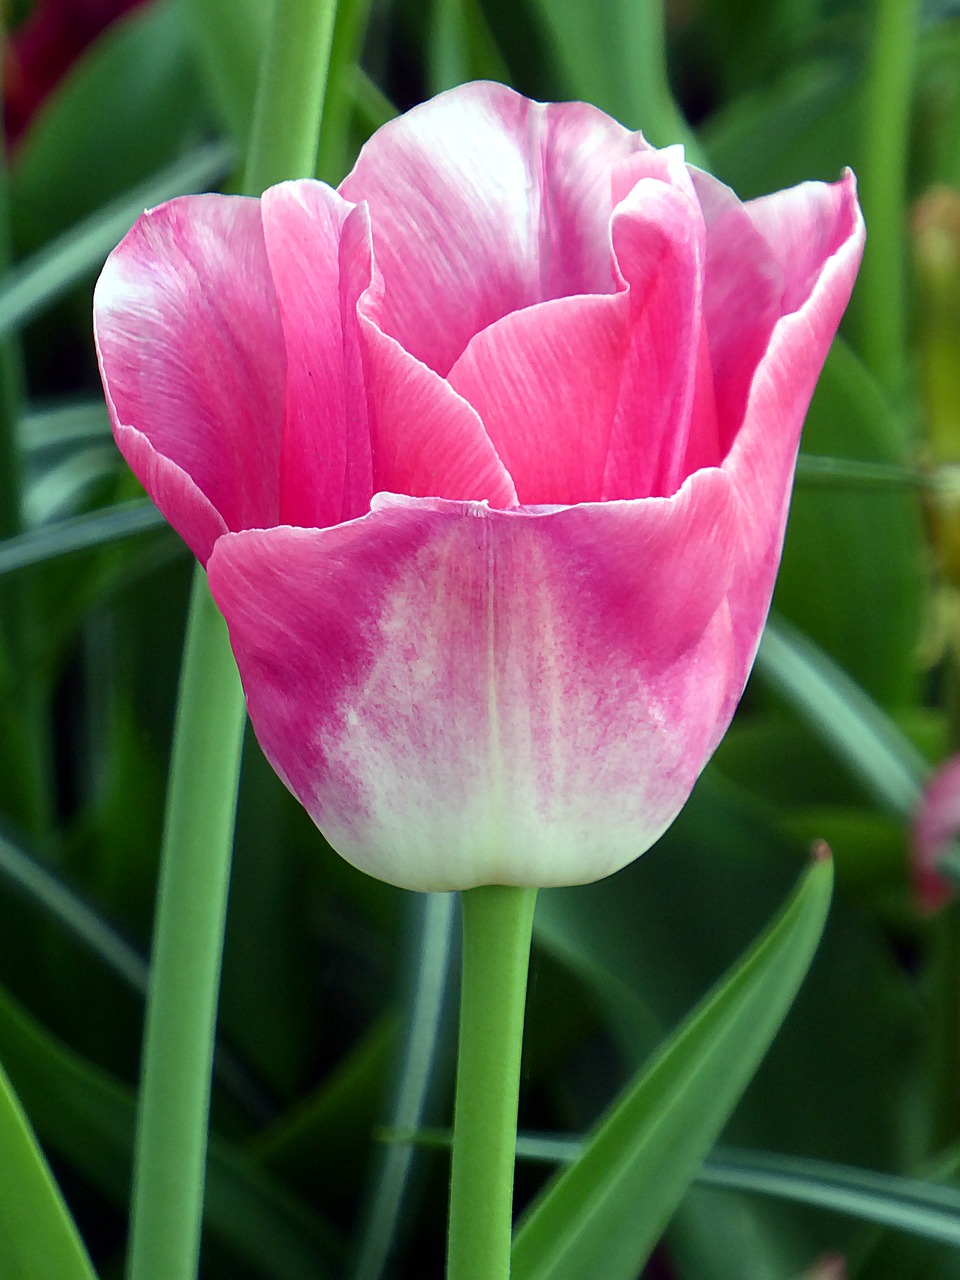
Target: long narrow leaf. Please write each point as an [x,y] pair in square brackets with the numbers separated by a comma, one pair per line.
[927,1209]
[38,1237]
[30,877]
[48,274]
[603,1215]
[79,533]
[848,722]
[88,1117]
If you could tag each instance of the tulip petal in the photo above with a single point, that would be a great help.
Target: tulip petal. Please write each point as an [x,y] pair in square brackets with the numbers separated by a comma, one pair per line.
[935,824]
[361,414]
[321,261]
[427,441]
[590,396]
[546,382]
[483,203]
[463,696]
[803,226]
[191,355]
[743,287]
[658,237]
[761,460]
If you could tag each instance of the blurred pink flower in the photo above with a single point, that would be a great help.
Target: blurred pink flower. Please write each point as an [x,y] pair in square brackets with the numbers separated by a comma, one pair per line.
[936,823]
[44,47]
[488,456]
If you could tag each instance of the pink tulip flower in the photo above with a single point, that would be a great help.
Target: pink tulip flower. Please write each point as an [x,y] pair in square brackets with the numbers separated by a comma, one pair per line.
[488,454]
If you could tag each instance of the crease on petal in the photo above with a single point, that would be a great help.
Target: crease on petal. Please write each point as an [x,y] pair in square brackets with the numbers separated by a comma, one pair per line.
[191,356]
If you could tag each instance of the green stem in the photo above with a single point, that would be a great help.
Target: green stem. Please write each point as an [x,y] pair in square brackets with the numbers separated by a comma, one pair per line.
[174,1106]
[187,946]
[497,927]
[660,118]
[286,124]
[880,304]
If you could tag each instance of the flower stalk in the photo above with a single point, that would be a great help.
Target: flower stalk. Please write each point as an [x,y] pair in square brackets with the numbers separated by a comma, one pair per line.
[195,859]
[881,297]
[497,928]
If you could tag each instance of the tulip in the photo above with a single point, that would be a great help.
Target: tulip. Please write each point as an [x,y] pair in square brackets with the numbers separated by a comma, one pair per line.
[488,455]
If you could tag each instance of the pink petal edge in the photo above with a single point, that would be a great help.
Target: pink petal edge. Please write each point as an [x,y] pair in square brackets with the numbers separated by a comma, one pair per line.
[462,696]
[191,354]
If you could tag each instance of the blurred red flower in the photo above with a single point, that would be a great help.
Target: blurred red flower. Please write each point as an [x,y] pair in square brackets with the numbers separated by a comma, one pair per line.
[44,47]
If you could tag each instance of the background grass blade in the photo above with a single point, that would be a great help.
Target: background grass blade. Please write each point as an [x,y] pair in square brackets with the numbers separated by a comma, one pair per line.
[603,1215]
[848,722]
[37,1235]
[925,1209]
[51,271]
[79,533]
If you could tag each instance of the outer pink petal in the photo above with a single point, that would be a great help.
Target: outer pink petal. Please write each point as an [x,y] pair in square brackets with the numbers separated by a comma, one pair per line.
[483,203]
[463,696]
[762,459]
[321,261]
[192,360]
[935,824]
[743,289]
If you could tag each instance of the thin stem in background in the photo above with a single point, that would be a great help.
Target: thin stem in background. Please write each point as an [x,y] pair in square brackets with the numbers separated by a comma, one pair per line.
[285,138]
[662,120]
[497,927]
[173,1116]
[880,300]
[174,1101]
[433,922]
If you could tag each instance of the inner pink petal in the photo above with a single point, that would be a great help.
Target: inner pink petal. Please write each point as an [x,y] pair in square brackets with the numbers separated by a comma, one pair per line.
[545,382]
[743,288]
[658,238]
[484,203]
[803,227]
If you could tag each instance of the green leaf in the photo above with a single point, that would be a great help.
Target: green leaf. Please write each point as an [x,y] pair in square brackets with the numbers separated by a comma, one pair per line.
[38,1237]
[612,55]
[845,719]
[229,38]
[50,272]
[878,527]
[927,1209]
[88,1118]
[604,1214]
[461,47]
[79,533]
[61,903]
[128,106]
